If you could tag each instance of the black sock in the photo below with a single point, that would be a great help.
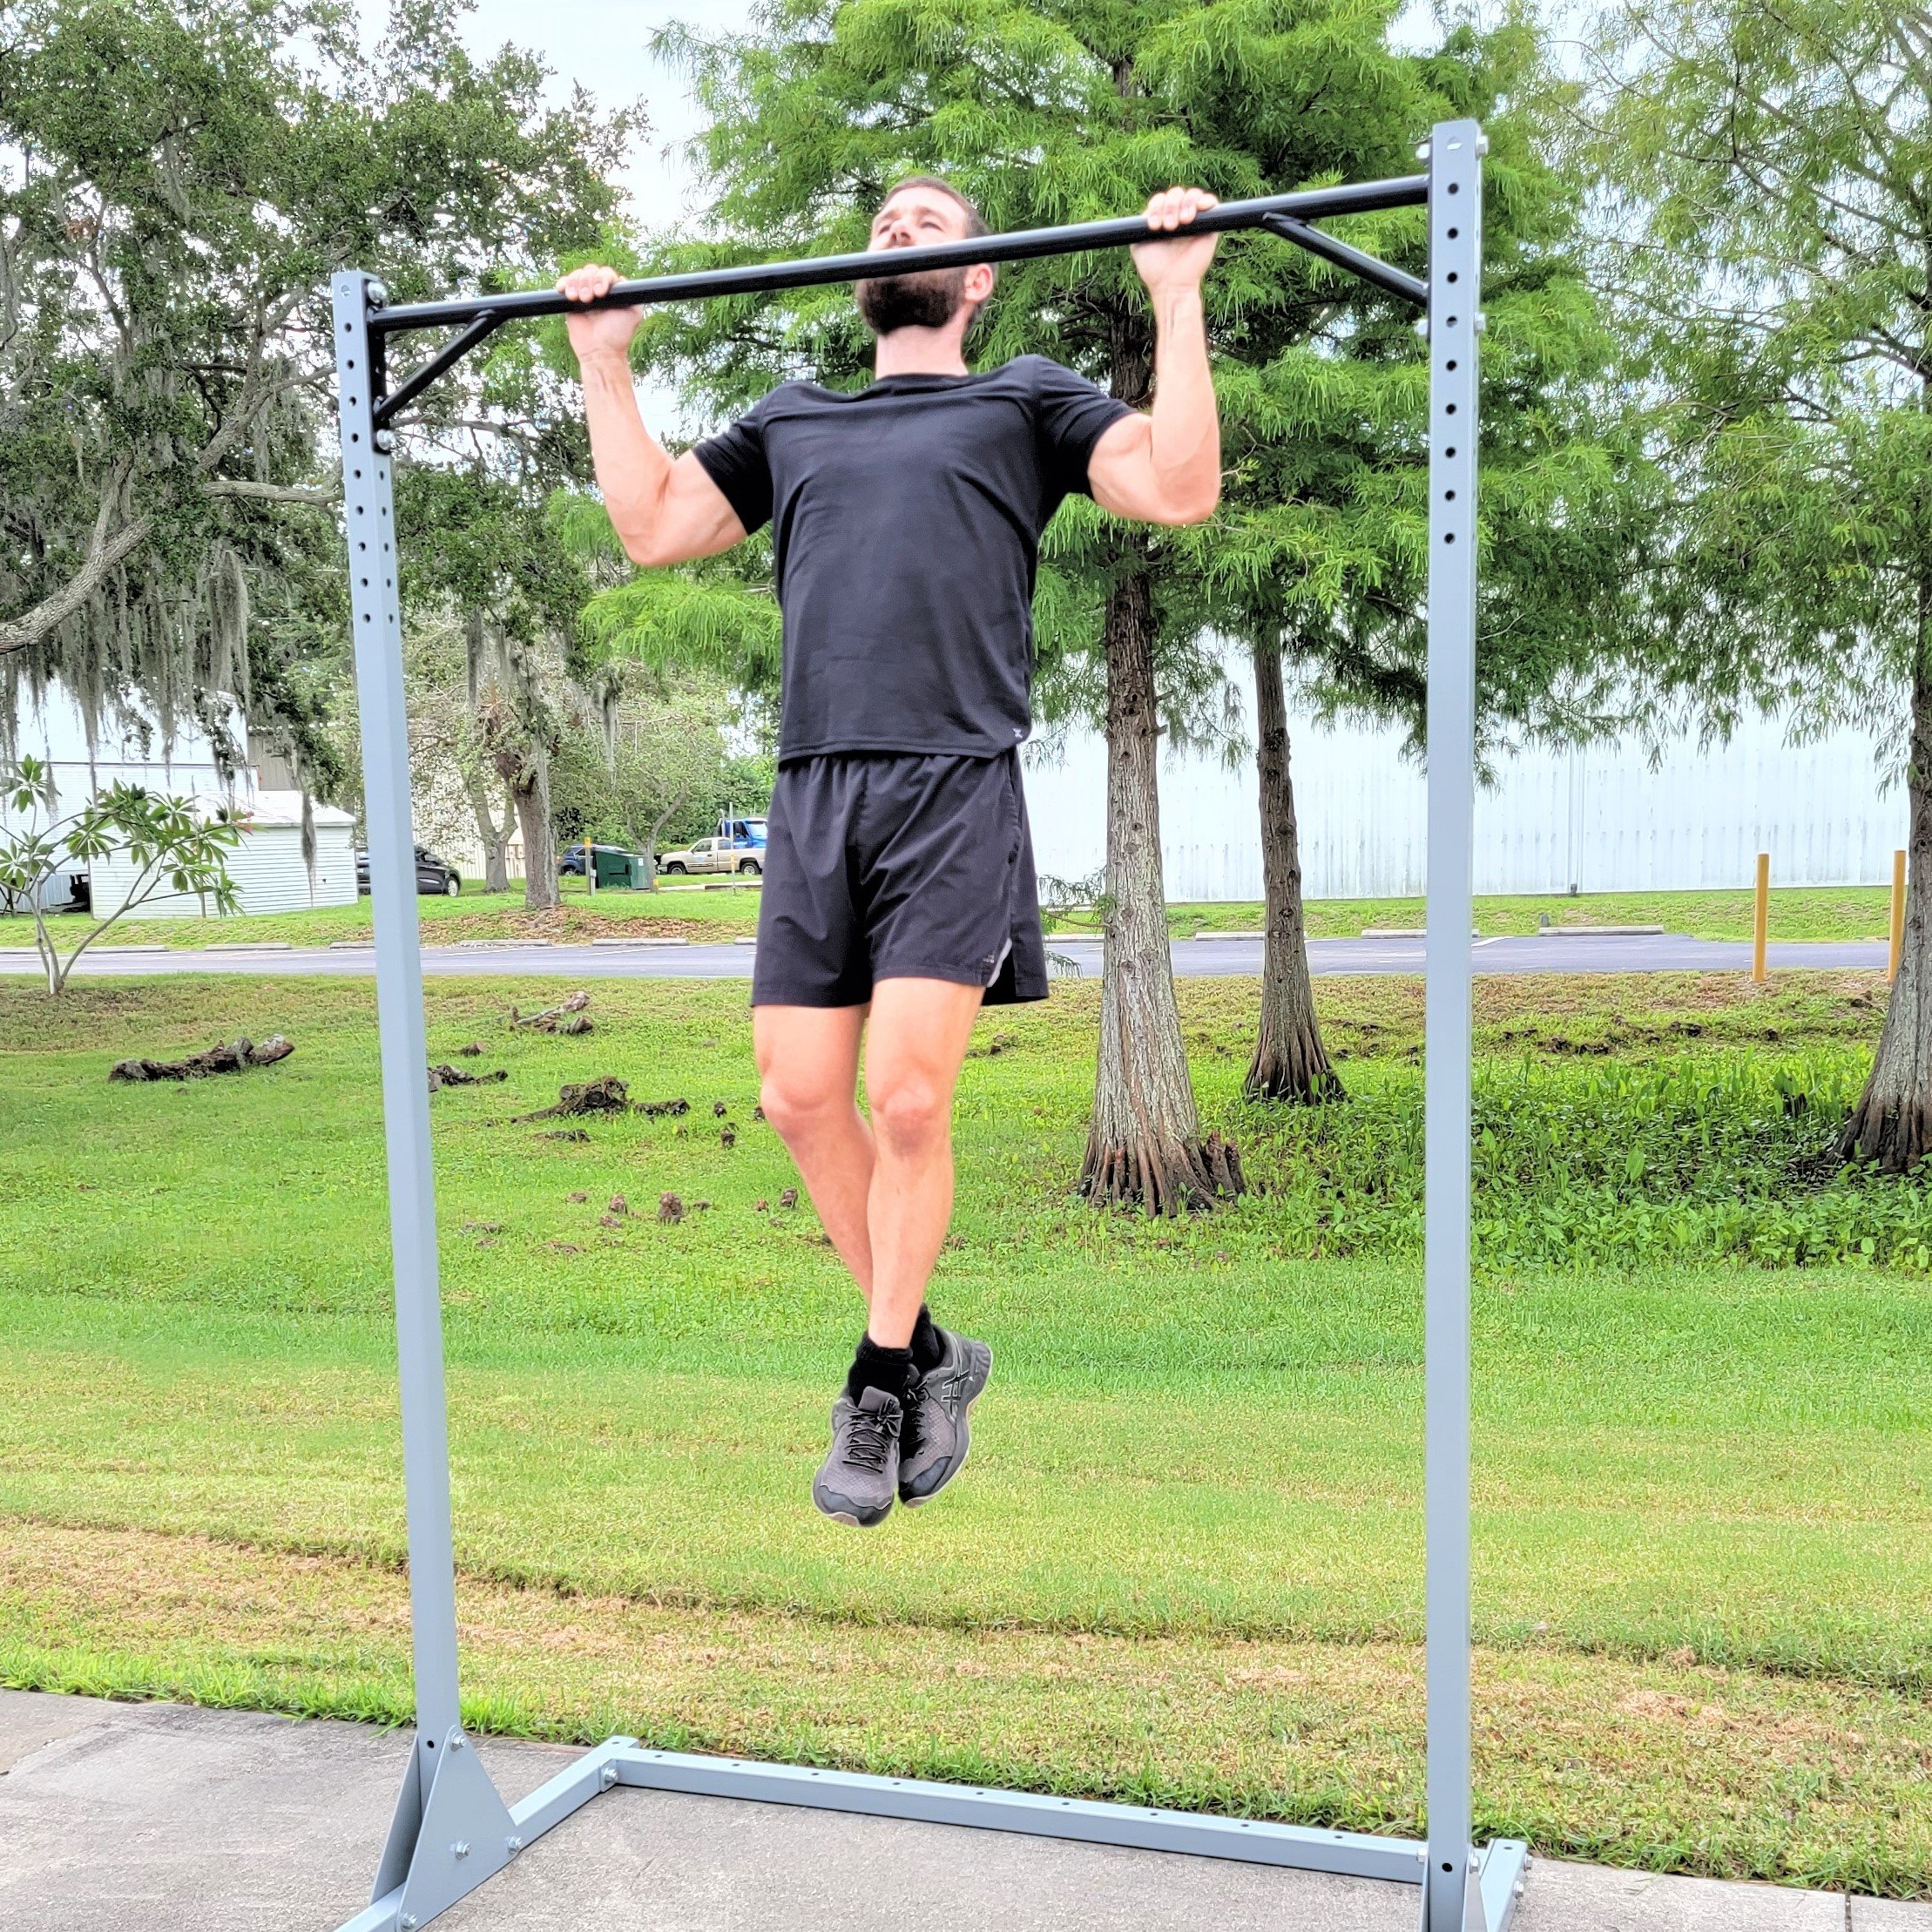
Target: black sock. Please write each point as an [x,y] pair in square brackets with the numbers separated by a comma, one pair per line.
[927,1350]
[876,1367]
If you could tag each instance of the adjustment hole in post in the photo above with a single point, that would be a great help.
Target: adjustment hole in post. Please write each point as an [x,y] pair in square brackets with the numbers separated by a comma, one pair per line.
[1450,364]
[1453,276]
[1454,232]
[1448,409]
[1456,187]
[1449,451]
[1448,495]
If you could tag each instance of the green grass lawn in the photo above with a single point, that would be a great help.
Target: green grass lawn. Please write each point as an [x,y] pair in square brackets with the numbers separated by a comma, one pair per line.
[1797,912]
[1186,1561]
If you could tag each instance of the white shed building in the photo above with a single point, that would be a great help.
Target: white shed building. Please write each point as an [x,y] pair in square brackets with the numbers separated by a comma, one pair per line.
[267,868]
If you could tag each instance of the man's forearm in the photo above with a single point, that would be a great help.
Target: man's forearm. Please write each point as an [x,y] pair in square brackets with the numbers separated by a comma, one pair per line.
[632,467]
[1187,428]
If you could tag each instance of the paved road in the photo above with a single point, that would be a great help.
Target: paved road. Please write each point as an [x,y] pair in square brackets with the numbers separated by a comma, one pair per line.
[1193,959]
[157,1818]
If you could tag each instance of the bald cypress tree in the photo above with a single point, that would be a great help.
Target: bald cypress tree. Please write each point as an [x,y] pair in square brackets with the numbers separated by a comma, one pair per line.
[1063,110]
[1770,219]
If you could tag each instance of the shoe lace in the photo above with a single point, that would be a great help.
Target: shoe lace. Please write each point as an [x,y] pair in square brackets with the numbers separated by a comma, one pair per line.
[870,1438]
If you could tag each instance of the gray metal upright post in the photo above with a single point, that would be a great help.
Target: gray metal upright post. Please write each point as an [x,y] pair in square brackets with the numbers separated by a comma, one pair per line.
[1452,1900]
[368,498]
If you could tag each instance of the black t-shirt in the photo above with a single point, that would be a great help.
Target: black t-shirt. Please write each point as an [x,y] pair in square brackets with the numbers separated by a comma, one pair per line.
[906,522]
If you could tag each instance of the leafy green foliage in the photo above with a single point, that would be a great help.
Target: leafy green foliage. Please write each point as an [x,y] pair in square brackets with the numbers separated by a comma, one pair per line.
[170,845]
[656,770]
[1768,183]
[1689,1159]
[184,179]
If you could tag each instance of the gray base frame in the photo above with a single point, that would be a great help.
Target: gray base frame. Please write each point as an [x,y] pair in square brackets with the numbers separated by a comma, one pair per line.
[452,1831]
[1499,1867]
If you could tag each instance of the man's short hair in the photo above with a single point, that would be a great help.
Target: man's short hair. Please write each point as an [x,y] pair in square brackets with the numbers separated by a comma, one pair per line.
[975,222]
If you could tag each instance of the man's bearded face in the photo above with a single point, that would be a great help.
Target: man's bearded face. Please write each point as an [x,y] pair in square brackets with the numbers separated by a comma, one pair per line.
[929,300]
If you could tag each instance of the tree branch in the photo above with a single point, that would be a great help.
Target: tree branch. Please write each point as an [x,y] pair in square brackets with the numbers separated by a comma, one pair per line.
[105,552]
[272,493]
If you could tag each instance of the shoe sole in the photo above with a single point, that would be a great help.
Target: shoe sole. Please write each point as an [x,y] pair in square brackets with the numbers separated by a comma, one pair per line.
[849,1519]
[966,1431]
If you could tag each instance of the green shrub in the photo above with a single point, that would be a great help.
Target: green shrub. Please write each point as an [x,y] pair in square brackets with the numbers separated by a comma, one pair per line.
[1691,1158]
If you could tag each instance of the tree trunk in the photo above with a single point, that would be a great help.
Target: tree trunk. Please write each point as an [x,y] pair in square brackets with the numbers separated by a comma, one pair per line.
[495,837]
[529,791]
[1892,1123]
[513,727]
[1290,1061]
[648,844]
[1145,1145]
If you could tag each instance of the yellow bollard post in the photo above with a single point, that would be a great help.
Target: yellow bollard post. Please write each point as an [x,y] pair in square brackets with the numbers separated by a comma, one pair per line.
[589,865]
[1761,919]
[1898,913]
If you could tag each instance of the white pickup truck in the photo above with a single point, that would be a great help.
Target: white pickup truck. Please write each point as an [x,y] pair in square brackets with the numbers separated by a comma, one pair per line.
[714,855]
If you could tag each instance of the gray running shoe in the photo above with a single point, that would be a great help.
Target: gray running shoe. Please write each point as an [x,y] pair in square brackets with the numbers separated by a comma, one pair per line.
[858,1480]
[938,1424]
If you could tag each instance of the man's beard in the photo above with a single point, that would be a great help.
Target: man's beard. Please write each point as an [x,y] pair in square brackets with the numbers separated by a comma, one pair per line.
[927,299]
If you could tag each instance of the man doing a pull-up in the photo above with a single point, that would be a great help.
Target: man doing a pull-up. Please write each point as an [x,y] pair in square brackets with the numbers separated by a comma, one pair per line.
[899,891]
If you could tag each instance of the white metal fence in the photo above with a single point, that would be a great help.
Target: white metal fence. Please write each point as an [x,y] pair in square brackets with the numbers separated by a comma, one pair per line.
[1600,820]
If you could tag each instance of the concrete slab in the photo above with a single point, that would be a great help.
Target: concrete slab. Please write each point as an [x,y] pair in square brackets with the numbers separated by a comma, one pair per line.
[28,1720]
[1566,1898]
[157,1818]
[657,1862]
[1879,1915]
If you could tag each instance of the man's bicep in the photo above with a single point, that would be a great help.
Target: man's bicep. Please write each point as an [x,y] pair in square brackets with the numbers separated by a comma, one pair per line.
[1120,472]
[695,519]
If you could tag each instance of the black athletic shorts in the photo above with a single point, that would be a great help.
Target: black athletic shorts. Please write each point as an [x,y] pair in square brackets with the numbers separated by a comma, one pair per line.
[893,866]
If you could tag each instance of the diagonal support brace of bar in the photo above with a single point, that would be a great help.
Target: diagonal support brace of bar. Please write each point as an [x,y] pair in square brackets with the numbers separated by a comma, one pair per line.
[452,352]
[1370,268]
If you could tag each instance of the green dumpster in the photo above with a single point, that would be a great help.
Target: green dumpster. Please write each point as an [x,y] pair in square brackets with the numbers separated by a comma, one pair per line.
[619,870]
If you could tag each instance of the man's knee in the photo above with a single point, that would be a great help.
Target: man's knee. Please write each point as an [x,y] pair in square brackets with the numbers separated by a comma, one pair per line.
[797,1106]
[911,1111]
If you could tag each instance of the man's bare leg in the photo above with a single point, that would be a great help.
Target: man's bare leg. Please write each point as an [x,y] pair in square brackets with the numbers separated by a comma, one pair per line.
[808,1077]
[883,1187]
[884,1191]
[916,1046]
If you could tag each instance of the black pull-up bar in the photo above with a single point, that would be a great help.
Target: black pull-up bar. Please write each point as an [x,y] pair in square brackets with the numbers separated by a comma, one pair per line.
[1286,215]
